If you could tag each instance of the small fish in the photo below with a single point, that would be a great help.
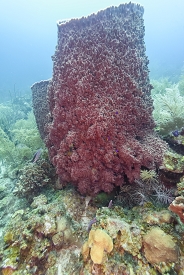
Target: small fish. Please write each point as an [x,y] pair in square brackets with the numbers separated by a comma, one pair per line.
[110,204]
[91,223]
[182,131]
[36,155]
[175,133]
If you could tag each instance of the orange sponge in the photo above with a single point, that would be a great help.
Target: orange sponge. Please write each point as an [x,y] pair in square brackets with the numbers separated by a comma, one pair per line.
[99,241]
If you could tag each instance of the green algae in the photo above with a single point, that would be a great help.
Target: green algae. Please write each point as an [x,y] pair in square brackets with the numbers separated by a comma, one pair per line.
[36,241]
[19,138]
[34,231]
[173,162]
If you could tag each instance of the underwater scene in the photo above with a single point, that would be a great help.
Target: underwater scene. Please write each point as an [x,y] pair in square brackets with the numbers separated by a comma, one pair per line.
[92,138]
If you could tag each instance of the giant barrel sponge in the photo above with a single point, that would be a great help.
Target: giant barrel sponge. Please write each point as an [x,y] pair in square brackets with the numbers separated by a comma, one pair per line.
[101,132]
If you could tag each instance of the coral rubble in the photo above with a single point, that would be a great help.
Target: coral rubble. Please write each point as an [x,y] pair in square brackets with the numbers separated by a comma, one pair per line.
[159,247]
[51,237]
[36,237]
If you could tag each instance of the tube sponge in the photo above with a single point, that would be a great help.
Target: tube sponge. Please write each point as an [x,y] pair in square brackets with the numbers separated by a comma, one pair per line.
[98,241]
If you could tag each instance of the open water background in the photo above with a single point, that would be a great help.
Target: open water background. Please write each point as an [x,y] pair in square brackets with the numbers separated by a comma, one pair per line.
[28,35]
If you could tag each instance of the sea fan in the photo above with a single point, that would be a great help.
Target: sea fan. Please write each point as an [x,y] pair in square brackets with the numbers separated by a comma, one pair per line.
[168,110]
[162,194]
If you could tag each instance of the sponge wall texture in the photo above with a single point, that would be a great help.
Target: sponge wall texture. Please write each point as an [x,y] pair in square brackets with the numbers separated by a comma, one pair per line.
[101,130]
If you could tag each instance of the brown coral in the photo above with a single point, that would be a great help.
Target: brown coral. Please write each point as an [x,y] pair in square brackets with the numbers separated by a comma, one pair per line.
[32,178]
[177,206]
[159,247]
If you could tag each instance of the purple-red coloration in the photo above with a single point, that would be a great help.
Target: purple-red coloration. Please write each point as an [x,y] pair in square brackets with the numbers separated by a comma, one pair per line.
[101,132]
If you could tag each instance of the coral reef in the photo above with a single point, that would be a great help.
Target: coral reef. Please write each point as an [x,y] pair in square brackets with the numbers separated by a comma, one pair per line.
[19,142]
[36,238]
[7,148]
[6,114]
[177,206]
[98,127]
[160,85]
[25,133]
[147,189]
[40,105]
[101,131]
[32,178]
[173,162]
[168,101]
[181,83]
[51,237]
[180,186]
[8,202]
[159,247]
[161,217]
[172,171]
[134,240]
[169,110]
[175,140]
[10,112]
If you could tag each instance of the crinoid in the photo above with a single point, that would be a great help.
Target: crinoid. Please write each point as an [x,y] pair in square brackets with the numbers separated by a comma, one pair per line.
[162,194]
[146,189]
[141,192]
[137,194]
[148,176]
[124,197]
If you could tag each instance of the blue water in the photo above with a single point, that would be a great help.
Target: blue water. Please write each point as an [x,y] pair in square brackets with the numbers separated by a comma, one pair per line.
[28,35]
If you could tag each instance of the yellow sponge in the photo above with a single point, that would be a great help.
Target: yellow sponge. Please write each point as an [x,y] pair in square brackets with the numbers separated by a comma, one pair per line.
[98,241]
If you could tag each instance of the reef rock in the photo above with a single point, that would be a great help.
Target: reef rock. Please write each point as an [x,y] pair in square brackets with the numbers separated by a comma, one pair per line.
[159,247]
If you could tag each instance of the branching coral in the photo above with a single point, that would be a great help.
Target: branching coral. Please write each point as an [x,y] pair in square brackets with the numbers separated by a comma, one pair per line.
[25,133]
[148,176]
[160,85]
[177,206]
[7,148]
[6,117]
[19,143]
[146,189]
[169,110]
[32,178]
[181,84]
